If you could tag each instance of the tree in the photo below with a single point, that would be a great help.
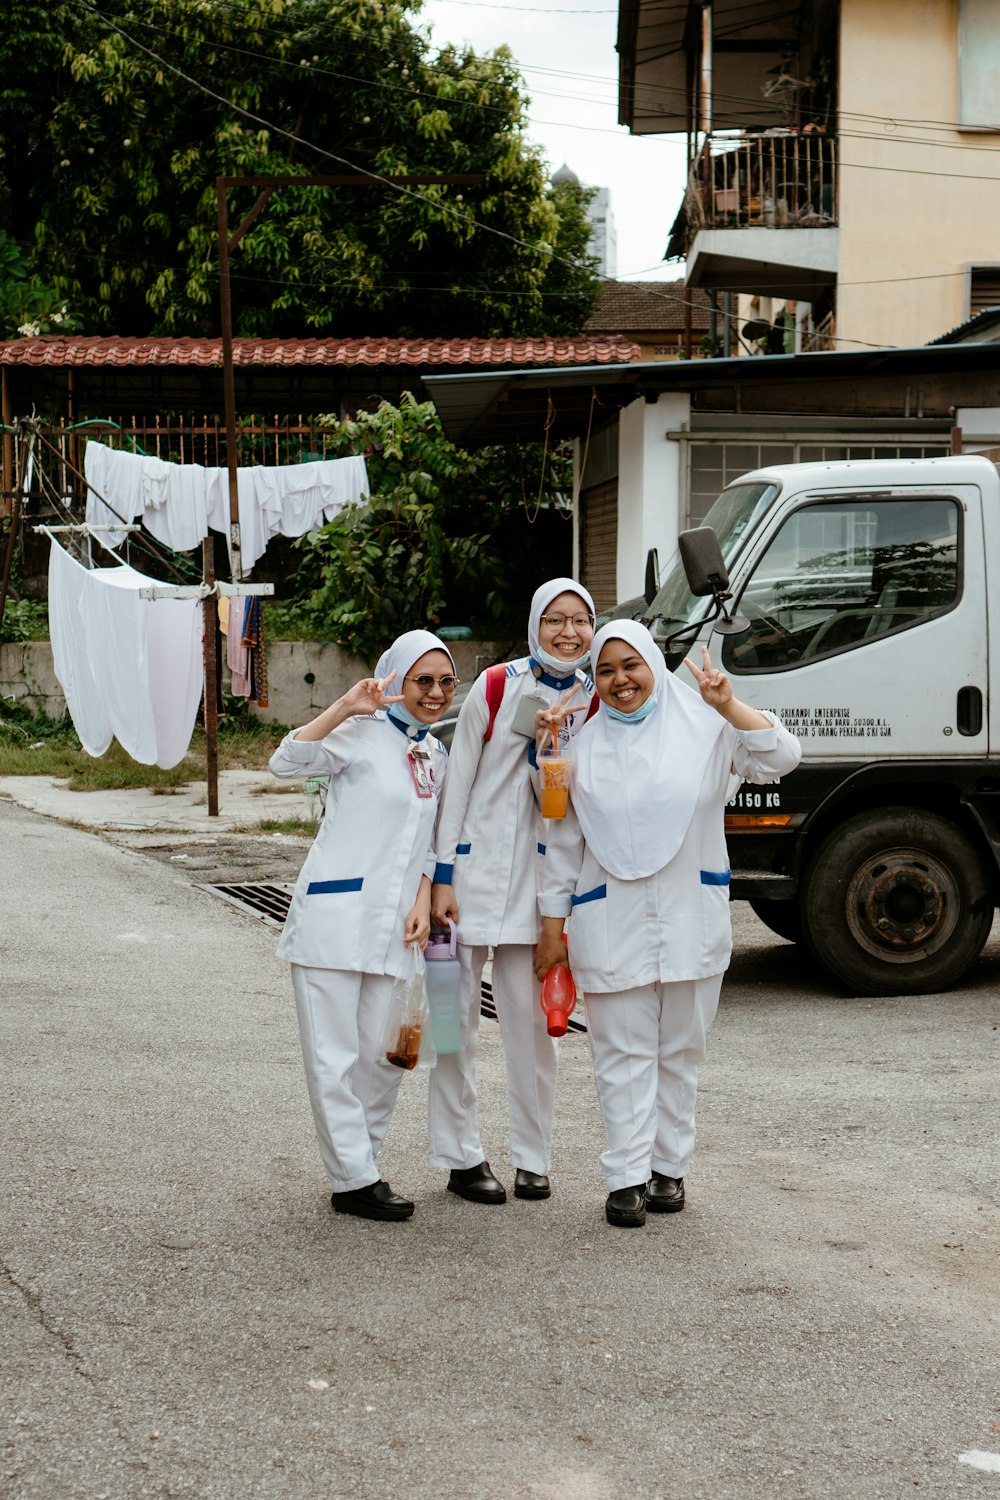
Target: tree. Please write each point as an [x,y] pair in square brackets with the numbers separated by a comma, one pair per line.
[442,538]
[109,160]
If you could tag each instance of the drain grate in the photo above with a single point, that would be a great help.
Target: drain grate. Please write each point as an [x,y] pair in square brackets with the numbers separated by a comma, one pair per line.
[270,902]
[257,899]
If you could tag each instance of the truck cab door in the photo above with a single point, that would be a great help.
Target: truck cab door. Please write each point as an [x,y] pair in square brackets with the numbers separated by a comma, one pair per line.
[868,625]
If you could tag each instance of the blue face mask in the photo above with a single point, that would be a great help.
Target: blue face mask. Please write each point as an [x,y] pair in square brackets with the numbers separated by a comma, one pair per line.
[636,716]
[559,665]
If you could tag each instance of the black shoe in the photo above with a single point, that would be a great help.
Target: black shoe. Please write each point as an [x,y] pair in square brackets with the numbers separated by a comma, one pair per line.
[376,1201]
[627,1206]
[665,1195]
[531,1185]
[477,1184]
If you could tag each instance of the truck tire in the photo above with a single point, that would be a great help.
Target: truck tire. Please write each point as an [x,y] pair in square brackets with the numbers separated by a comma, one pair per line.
[897,902]
[781,917]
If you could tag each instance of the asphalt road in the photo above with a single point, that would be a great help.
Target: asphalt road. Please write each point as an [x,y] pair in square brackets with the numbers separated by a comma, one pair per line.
[184,1316]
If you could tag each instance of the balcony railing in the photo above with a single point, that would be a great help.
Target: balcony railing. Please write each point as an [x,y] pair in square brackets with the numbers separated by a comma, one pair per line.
[774,179]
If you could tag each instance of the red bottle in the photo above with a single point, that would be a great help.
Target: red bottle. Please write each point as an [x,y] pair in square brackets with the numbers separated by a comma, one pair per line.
[558,998]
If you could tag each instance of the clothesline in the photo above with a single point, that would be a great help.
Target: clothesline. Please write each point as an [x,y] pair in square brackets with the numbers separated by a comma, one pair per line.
[218,588]
[179,503]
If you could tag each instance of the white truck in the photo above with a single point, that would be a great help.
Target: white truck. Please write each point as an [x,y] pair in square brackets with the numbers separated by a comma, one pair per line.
[870,593]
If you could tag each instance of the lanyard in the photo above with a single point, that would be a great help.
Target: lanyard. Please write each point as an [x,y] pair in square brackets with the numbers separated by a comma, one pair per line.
[420,770]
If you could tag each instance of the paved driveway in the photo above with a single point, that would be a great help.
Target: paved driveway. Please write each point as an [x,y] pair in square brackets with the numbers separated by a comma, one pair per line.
[183,1315]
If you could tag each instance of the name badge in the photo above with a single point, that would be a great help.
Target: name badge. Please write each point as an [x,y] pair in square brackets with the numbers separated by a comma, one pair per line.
[420,771]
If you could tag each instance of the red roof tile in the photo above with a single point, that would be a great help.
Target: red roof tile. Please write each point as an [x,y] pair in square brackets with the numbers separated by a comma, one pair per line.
[518,353]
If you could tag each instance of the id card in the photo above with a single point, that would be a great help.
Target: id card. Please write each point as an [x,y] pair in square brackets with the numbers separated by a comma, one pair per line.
[420,771]
[523,721]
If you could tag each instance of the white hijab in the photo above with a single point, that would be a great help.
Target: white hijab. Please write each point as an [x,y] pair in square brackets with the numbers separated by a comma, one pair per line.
[404,651]
[540,601]
[635,786]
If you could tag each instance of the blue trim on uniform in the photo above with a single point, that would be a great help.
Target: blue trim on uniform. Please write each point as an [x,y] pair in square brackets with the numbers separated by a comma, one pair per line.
[716,877]
[332,887]
[599,893]
[532,755]
[546,678]
[463,848]
[541,848]
[443,874]
[407,729]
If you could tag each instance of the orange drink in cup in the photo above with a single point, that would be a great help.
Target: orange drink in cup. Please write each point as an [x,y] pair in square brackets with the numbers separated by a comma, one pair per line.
[553,770]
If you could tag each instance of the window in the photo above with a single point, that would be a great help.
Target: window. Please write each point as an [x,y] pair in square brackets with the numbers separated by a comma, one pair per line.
[978,61]
[716,463]
[839,575]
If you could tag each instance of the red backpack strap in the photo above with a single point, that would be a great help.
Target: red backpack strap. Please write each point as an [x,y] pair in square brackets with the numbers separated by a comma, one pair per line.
[496,680]
[595,704]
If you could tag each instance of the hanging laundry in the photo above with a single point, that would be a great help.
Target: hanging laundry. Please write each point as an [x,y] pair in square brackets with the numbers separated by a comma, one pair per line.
[180,503]
[130,668]
[253,640]
[237,653]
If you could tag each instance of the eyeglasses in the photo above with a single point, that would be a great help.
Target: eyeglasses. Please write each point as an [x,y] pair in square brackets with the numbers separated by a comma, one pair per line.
[556,622]
[425,682]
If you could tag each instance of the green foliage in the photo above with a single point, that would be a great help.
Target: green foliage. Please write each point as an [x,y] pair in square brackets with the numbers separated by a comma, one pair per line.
[27,306]
[441,539]
[108,162]
[24,620]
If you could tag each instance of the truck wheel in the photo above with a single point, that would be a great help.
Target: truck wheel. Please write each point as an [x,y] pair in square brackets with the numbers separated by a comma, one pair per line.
[781,917]
[897,902]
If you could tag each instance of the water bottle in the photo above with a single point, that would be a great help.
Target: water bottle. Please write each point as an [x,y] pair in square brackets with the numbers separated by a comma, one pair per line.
[443,983]
[558,998]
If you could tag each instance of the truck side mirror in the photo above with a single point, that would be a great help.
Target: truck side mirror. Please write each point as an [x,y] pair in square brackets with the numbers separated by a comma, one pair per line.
[701,556]
[706,573]
[652,584]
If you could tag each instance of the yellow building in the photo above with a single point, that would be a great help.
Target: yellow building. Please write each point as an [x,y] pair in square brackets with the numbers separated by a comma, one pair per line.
[844,186]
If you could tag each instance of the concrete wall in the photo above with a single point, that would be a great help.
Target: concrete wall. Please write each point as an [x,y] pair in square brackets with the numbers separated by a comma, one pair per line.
[650,499]
[303,676]
[899,63]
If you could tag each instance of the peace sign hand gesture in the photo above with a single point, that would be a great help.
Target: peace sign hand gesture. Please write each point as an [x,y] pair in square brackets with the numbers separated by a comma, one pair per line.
[714,686]
[549,720]
[369,695]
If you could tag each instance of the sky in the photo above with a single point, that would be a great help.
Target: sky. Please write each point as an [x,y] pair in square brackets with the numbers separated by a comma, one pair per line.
[566,51]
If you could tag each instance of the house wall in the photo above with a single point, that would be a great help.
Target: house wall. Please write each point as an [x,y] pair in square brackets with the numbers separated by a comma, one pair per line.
[899,60]
[650,488]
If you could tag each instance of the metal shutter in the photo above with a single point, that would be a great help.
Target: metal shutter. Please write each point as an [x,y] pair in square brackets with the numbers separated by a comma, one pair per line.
[599,542]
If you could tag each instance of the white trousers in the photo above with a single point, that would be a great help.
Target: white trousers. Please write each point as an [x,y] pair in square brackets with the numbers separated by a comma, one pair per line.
[648,1045]
[352,1088]
[531,1057]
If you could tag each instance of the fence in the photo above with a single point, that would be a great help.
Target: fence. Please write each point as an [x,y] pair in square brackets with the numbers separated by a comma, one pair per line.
[776,179]
[183,440]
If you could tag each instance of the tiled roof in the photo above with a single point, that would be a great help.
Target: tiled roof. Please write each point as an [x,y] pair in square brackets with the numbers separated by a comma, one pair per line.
[647,306]
[518,353]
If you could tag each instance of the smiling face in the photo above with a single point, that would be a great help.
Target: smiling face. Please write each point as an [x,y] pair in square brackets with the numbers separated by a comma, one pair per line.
[427,699]
[624,680]
[566,640]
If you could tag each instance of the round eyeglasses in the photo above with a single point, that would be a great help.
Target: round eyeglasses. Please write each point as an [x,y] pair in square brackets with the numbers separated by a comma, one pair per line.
[425,682]
[556,622]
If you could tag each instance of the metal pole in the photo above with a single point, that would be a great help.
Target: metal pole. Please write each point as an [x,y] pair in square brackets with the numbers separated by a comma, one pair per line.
[23,459]
[211,613]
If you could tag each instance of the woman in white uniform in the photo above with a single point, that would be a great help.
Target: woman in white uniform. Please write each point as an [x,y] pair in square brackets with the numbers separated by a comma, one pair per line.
[490,835]
[641,871]
[362,898]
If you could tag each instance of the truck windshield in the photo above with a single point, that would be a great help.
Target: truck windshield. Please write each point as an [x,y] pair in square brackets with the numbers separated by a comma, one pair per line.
[732,517]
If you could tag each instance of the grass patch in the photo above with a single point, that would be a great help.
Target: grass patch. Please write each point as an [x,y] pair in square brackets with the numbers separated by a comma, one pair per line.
[244,744]
[298,827]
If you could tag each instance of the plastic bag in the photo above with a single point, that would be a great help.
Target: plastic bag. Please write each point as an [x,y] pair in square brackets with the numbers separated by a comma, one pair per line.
[408,1039]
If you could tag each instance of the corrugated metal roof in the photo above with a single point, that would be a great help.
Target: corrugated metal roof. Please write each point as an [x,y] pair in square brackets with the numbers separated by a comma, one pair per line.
[122,352]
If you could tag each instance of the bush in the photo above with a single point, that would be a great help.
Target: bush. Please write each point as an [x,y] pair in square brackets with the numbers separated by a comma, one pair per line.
[443,538]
